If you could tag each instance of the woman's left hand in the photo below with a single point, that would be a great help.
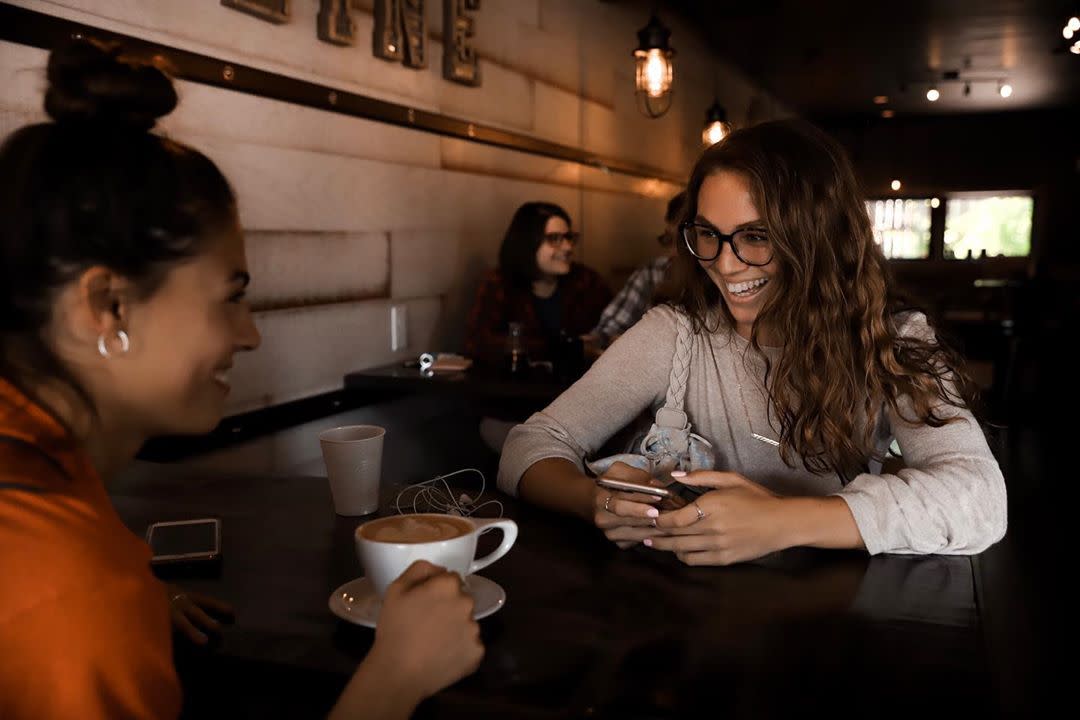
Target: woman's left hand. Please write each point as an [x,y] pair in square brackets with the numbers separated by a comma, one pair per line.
[191,614]
[737,520]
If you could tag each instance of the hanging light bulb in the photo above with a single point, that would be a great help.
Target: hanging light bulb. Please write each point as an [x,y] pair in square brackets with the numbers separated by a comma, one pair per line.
[1074,24]
[654,72]
[895,185]
[932,94]
[1067,32]
[657,81]
[717,126]
[1075,49]
[1005,89]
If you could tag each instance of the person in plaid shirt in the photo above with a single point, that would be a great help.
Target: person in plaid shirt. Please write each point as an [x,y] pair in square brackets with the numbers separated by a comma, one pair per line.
[636,296]
[536,284]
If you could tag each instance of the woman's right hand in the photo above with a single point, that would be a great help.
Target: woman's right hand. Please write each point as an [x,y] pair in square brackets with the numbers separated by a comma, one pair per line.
[426,631]
[426,639]
[625,518]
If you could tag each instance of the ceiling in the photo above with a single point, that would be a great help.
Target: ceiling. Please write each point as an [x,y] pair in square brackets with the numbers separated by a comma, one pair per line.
[828,58]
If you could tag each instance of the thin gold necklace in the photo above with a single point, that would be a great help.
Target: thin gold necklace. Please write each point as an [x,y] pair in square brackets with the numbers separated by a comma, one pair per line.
[746,409]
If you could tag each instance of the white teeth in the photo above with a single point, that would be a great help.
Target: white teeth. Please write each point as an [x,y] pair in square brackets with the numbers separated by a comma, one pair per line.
[744,287]
[222,376]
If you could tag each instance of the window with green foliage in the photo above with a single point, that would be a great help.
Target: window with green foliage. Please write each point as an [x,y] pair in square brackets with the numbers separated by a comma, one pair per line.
[987,226]
[958,226]
[901,226]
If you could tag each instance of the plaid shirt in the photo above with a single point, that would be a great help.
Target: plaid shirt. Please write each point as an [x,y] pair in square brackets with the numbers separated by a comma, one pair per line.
[582,292]
[632,301]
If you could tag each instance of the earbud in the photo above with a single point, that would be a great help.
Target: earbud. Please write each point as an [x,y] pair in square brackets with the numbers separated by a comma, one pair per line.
[435,495]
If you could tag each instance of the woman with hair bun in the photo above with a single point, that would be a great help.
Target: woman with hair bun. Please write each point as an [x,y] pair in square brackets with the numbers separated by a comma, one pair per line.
[122,281]
[799,366]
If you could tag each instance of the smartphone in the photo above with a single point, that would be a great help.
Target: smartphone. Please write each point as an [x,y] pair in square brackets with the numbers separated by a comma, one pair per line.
[674,491]
[633,487]
[184,541]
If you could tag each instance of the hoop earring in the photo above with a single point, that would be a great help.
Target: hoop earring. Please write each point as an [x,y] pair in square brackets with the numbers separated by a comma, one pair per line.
[103,349]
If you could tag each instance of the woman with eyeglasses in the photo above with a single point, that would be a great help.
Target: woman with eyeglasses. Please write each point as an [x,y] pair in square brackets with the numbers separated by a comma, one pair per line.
[803,367]
[536,284]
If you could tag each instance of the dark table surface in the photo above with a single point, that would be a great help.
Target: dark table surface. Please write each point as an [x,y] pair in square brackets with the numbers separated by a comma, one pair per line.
[591,631]
[482,383]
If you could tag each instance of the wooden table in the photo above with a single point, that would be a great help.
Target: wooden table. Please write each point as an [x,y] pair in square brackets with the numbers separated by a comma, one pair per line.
[589,631]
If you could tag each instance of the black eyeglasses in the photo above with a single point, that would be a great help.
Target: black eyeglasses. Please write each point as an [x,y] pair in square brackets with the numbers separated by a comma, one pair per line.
[557,238]
[752,245]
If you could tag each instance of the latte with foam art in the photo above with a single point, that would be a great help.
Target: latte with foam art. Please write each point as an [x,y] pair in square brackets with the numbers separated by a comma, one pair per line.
[415,529]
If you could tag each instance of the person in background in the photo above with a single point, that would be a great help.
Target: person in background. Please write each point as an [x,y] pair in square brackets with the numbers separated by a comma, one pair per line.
[800,364]
[536,284]
[122,286]
[637,294]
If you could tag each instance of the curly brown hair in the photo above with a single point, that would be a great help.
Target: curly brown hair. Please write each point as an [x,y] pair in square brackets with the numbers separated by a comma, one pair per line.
[833,291]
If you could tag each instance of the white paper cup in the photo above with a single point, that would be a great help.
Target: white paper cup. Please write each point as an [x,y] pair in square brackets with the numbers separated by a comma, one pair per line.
[353,457]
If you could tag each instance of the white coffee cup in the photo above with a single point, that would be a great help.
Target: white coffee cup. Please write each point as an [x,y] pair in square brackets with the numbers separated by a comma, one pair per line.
[384,560]
[353,457]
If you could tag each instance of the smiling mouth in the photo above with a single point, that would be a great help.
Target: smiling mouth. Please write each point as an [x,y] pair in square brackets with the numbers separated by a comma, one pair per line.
[746,288]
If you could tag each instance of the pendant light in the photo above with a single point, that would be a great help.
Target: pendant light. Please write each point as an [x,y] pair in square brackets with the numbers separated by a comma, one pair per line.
[654,71]
[717,126]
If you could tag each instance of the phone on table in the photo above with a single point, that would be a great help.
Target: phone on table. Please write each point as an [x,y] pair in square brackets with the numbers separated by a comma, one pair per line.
[185,541]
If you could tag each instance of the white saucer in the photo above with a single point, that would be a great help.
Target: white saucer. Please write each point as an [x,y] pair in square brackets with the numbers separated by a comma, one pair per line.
[356,601]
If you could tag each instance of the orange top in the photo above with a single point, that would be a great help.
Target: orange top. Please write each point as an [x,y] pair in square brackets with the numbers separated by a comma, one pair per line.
[84,625]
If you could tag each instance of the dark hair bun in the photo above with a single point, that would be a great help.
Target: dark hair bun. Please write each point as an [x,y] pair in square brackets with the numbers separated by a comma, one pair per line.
[92,82]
